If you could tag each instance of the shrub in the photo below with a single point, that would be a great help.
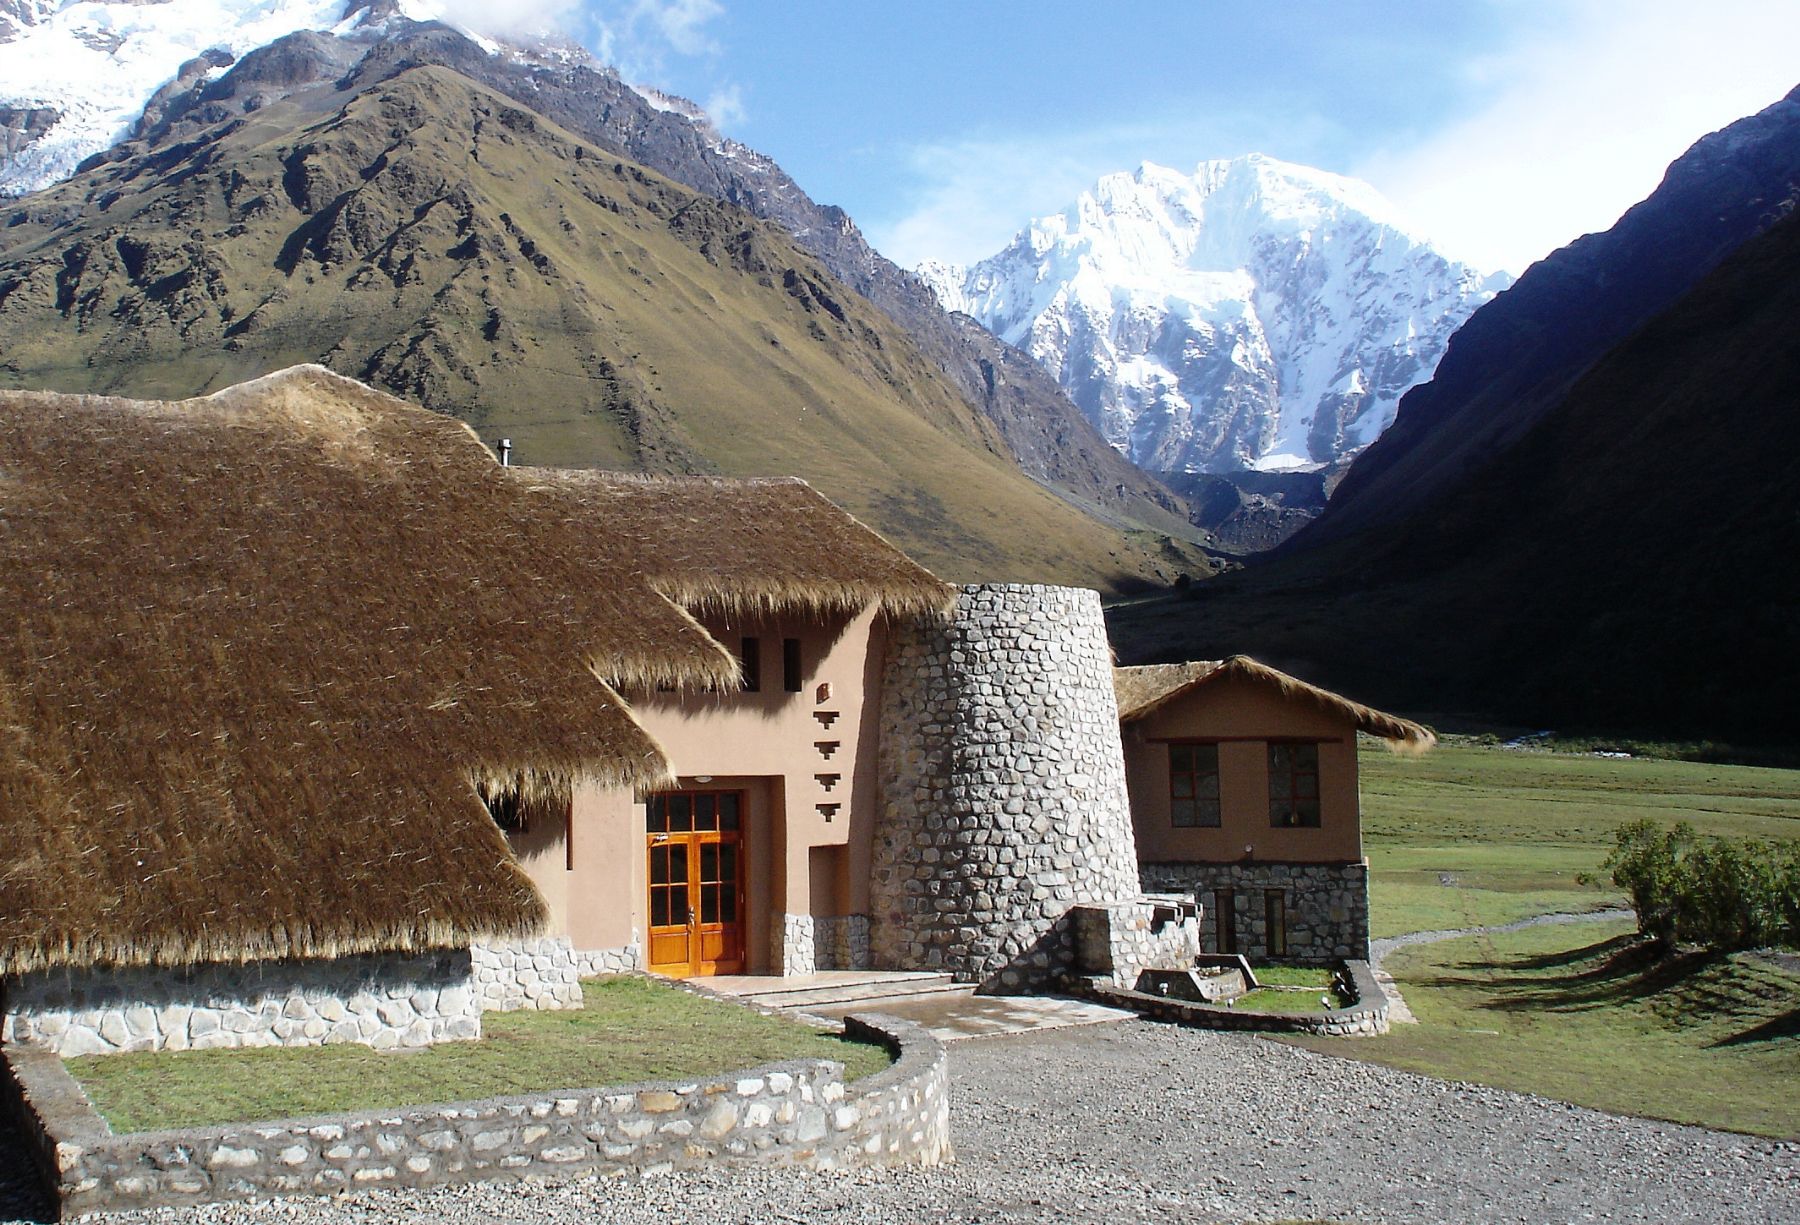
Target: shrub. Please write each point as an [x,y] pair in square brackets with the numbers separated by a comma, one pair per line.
[1722,893]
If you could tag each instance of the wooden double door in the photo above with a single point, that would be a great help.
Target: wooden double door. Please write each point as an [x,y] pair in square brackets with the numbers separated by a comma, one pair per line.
[695,843]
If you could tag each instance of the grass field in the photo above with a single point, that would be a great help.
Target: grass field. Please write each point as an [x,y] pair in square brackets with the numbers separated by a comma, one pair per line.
[1582,1013]
[631,1030]
[1472,836]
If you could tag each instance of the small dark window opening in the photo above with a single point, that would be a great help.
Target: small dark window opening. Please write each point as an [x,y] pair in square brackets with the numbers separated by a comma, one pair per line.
[1225,919]
[750,663]
[790,664]
[1275,912]
[509,811]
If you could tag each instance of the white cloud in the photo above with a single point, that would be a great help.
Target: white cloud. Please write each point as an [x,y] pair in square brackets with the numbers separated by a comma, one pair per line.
[512,17]
[681,23]
[1584,116]
[725,106]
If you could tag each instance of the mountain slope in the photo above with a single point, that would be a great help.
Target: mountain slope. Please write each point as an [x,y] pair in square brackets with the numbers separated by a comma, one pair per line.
[1518,356]
[78,72]
[1253,314]
[1627,564]
[429,236]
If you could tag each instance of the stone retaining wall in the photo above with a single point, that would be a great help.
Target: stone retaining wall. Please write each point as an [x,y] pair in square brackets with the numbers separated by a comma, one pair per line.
[1121,940]
[1003,787]
[797,1113]
[1366,1017]
[517,975]
[1327,906]
[381,1000]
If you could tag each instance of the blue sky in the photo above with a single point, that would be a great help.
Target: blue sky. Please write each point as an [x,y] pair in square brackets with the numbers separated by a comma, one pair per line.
[1500,128]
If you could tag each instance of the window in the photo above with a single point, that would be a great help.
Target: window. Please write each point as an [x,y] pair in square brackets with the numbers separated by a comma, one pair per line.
[790,664]
[1194,785]
[1275,912]
[1294,784]
[1225,919]
[750,664]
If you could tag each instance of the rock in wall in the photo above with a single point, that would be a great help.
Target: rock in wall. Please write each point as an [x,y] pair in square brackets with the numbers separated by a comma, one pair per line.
[1003,787]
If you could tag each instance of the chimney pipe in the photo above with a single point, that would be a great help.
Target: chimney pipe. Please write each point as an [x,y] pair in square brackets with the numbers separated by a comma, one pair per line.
[506,452]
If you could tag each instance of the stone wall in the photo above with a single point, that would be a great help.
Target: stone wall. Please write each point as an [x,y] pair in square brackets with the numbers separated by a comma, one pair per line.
[1327,905]
[1120,940]
[1003,787]
[798,1113]
[515,975]
[1366,1017]
[384,1000]
[841,942]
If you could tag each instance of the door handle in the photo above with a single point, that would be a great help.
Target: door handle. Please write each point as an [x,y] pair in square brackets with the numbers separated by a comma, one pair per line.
[693,916]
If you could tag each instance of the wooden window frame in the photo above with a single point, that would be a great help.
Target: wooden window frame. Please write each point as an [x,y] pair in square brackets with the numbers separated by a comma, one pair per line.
[1195,798]
[1292,794]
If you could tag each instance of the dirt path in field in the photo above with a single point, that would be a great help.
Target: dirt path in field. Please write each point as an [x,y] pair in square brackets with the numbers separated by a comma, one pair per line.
[1379,949]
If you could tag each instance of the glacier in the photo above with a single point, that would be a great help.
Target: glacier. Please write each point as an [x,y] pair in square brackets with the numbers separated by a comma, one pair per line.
[1255,314]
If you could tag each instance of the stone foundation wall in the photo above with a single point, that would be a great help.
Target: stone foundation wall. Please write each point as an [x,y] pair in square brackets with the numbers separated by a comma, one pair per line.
[516,975]
[382,1000]
[841,942]
[598,963]
[1327,906]
[1121,940]
[792,947]
[799,1113]
[1003,787]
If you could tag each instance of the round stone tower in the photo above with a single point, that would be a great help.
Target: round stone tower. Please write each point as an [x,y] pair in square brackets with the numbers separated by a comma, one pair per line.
[1003,787]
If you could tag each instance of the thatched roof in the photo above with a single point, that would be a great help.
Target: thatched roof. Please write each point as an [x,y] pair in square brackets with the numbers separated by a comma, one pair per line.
[256,653]
[747,546]
[1143,691]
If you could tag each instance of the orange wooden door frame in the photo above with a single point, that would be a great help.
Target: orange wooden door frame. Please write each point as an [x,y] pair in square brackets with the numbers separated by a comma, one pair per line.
[695,848]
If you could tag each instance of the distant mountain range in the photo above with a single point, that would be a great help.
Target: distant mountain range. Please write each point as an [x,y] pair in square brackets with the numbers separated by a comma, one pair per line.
[1254,314]
[470,345]
[1589,517]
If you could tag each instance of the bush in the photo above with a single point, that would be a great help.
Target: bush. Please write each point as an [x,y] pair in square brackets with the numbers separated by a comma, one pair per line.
[1722,893]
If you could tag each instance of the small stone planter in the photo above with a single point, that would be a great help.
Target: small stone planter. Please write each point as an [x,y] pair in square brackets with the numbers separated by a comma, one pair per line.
[1366,1016]
[798,1113]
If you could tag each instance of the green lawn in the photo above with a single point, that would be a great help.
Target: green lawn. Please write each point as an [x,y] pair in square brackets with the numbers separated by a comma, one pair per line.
[633,1029]
[1472,836]
[1582,1013]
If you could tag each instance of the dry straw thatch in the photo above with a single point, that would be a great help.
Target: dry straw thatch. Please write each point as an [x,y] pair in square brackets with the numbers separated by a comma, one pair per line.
[749,546]
[258,650]
[1144,690]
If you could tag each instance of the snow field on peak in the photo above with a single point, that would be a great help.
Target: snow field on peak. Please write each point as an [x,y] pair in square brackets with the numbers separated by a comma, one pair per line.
[1253,314]
[97,64]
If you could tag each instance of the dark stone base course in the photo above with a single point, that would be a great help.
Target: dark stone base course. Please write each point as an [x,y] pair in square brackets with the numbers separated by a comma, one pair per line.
[1327,905]
[799,1113]
[1365,1018]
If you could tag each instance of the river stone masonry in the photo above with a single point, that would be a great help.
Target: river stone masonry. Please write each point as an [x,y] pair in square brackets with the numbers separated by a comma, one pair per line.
[379,1000]
[1003,788]
[1326,905]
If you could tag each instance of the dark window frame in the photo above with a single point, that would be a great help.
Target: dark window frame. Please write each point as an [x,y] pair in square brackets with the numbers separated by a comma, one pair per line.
[1275,920]
[750,663]
[1190,777]
[1290,804]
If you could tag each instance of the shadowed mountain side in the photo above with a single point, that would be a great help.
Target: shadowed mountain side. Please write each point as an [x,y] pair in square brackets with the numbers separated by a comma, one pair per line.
[1038,424]
[1628,565]
[429,237]
[1517,357]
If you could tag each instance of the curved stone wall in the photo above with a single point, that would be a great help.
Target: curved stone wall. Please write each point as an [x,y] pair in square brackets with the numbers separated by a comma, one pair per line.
[1003,787]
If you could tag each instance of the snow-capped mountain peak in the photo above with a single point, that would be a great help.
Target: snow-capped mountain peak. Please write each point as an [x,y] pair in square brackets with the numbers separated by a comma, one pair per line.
[76,74]
[1255,313]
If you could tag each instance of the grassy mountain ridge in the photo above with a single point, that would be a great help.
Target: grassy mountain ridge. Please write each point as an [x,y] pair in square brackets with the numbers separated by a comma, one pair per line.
[434,238]
[1626,565]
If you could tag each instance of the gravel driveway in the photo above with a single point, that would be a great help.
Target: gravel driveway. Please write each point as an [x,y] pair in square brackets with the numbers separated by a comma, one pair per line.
[1140,1122]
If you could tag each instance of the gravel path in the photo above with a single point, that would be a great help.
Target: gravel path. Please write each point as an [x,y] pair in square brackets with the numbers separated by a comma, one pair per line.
[1387,944]
[1136,1122]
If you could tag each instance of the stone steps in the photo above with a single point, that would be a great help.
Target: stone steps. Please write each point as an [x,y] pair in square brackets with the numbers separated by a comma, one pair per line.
[862,991]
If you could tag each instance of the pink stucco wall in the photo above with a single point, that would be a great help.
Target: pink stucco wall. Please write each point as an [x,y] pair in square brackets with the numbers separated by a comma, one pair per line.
[765,744]
[1242,716]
